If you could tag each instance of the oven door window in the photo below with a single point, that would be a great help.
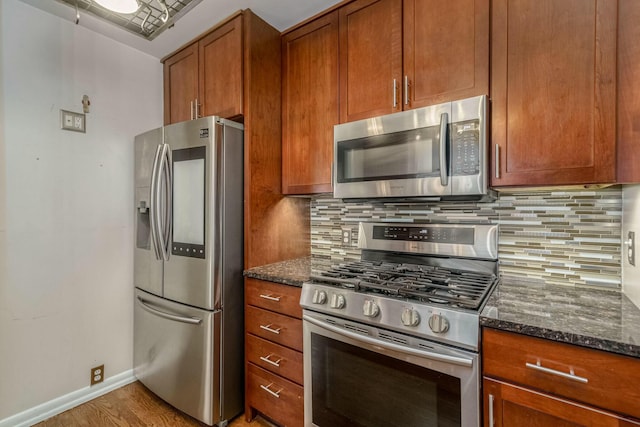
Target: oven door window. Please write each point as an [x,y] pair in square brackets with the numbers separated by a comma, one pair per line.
[402,155]
[355,387]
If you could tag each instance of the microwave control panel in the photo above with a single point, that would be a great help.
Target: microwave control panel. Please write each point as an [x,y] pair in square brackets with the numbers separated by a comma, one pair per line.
[465,148]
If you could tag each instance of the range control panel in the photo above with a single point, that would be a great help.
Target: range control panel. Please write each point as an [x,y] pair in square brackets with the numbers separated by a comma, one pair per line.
[455,235]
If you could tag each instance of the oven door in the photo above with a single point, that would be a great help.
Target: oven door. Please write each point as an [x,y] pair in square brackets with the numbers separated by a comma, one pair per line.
[357,375]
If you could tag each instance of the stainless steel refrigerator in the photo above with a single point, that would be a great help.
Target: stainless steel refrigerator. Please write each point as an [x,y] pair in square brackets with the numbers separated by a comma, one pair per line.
[188,316]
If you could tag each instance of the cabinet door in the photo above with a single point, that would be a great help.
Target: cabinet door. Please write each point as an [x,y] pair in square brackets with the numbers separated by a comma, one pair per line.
[628,91]
[180,85]
[220,87]
[446,51]
[507,405]
[553,86]
[370,59]
[309,105]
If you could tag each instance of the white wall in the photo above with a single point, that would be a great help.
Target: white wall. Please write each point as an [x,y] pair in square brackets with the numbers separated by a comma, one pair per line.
[66,300]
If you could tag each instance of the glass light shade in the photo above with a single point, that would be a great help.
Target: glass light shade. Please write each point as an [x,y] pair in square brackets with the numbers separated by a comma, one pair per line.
[120,6]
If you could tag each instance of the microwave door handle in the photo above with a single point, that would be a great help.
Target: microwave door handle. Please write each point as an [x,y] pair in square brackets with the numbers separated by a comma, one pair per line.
[444,173]
[155,203]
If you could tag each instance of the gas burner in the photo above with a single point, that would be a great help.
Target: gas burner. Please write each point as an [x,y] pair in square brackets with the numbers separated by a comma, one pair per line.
[459,288]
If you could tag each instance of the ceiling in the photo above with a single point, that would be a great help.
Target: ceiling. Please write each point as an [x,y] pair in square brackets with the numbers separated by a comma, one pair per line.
[200,15]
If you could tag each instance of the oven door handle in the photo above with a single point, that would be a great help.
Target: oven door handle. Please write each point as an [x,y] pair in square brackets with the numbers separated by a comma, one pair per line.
[390,346]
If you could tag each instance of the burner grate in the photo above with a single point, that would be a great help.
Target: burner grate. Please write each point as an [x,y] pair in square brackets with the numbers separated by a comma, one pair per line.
[425,283]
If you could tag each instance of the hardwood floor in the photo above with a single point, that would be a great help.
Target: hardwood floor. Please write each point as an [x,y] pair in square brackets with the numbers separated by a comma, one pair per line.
[133,405]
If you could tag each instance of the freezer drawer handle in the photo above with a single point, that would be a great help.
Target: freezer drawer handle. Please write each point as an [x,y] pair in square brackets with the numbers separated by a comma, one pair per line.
[271,392]
[270,329]
[191,320]
[570,376]
[270,297]
[268,360]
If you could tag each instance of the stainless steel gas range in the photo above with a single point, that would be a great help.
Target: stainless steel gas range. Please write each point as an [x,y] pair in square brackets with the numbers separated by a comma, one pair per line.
[393,339]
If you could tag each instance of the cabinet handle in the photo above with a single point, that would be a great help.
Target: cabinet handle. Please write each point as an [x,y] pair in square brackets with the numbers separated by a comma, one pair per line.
[197,112]
[491,419]
[268,360]
[406,90]
[271,392]
[395,93]
[570,376]
[270,297]
[497,163]
[270,329]
[191,109]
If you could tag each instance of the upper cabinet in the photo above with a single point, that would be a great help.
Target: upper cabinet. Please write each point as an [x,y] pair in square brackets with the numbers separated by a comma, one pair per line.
[220,71]
[446,51]
[181,85]
[553,84]
[397,54]
[205,78]
[309,105]
[628,91]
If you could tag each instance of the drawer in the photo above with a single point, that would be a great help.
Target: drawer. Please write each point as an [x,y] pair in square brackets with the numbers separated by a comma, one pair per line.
[275,358]
[272,296]
[274,327]
[277,398]
[599,378]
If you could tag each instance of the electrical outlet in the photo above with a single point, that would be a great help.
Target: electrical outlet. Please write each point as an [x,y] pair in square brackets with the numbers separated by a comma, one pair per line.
[97,375]
[346,235]
[73,121]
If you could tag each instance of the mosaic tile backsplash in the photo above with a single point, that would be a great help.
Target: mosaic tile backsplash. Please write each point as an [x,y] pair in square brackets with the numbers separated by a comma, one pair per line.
[562,237]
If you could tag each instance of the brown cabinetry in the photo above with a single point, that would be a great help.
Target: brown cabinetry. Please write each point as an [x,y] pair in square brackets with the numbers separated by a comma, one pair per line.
[205,78]
[553,84]
[309,105]
[273,351]
[628,91]
[180,85]
[397,54]
[551,383]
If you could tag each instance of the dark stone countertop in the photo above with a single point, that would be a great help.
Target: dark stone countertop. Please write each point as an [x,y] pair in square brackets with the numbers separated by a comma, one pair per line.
[593,318]
[291,272]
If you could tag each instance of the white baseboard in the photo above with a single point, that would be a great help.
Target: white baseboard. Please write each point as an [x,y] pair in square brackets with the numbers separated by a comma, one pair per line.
[60,404]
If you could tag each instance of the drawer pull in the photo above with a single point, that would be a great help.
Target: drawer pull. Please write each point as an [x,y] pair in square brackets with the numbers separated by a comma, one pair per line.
[270,297]
[268,360]
[570,376]
[270,329]
[271,392]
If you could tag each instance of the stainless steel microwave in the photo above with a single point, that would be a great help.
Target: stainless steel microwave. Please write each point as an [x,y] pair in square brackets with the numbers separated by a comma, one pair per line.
[433,153]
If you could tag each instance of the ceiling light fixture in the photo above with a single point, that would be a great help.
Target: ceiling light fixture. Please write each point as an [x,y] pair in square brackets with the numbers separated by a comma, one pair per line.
[120,6]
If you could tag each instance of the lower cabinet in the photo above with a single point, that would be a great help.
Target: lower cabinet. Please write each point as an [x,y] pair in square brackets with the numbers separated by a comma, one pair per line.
[273,353]
[510,405]
[536,382]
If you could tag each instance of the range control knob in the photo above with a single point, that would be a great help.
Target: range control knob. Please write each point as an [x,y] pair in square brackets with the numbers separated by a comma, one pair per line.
[438,323]
[370,308]
[337,301]
[319,297]
[410,317]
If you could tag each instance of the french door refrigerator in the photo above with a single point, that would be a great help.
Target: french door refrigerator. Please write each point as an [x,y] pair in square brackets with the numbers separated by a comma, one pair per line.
[188,316]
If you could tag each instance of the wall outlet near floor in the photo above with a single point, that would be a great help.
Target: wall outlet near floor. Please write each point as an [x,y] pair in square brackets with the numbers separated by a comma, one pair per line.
[97,375]
[72,121]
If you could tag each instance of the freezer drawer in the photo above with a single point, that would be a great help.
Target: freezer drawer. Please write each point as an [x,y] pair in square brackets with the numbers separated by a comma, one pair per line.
[176,355]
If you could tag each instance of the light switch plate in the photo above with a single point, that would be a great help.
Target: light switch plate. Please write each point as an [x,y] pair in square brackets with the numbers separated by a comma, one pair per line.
[73,121]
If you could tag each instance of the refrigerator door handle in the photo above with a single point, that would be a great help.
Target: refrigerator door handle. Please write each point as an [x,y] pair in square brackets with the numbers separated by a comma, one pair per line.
[148,307]
[166,168]
[155,205]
